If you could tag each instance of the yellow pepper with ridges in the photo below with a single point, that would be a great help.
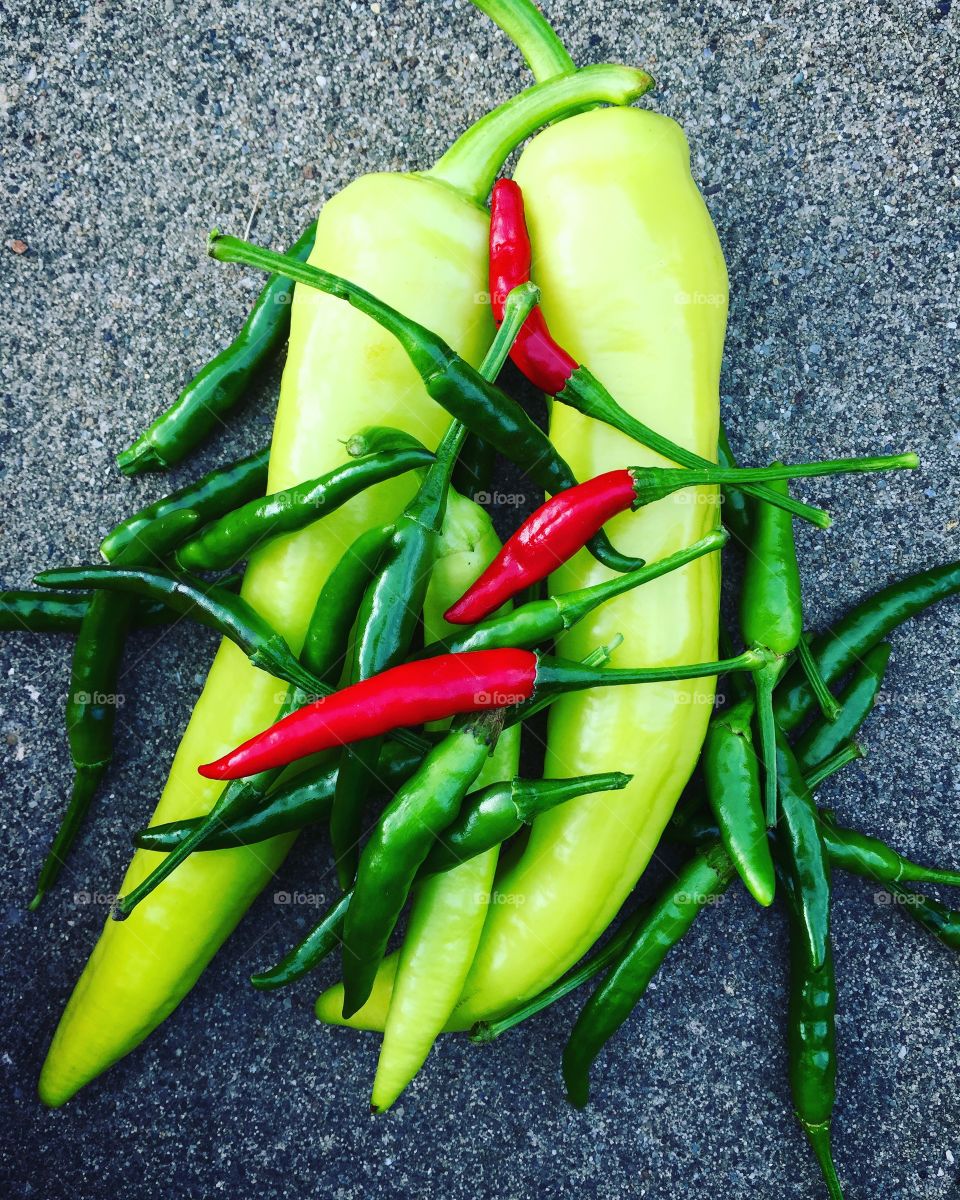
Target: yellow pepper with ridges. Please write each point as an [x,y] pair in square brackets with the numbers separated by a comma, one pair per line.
[419,241]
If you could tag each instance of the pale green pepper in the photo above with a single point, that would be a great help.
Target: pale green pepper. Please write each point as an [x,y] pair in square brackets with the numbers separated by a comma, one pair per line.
[634,286]
[419,241]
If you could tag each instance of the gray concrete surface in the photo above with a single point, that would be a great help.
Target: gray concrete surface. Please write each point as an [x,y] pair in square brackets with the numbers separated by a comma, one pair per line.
[823,135]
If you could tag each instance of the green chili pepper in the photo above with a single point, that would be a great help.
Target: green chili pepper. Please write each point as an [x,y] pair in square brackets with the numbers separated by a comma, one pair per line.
[859,631]
[771,617]
[377,439]
[474,469]
[235,535]
[488,818]
[936,918]
[305,800]
[94,696]
[804,853]
[732,779]
[206,604]
[811,1038]
[392,604]
[856,702]
[458,387]
[223,382]
[209,497]
[705,877]
[590,968]
[860,854]
[340,598]
[39,612]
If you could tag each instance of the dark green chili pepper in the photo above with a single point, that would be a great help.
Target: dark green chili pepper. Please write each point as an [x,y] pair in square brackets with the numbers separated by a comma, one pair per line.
[732,783]
[859,631]
[539,621]
[487,819]
[705,877]
[94,694]
[811,1038]
[223,382]
[305,800]
[860,854]
[694,823]
[231,538]
[466,393]
[771,618]
[210,605]
[401,840]
[488,1031]
[856,702]
[496,813]
[39,612]
[473,473]
[340,598]
[377,439]
[936,918]
[393,602]
[209,497]
[804,854]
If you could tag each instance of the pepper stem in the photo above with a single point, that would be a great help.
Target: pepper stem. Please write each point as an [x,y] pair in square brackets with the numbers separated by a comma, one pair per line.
[818,685]
[561,675]
[475,158]
[819,1139]
[534,796]
[847,753]
[653,483]
[574,606]
[764,682]
[528,29]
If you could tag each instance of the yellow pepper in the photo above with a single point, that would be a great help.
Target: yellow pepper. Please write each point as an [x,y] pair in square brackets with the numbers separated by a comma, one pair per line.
[447,916]
[419,242]
[634,285]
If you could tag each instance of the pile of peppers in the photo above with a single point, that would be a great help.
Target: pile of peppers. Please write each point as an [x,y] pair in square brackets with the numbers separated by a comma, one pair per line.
[383,652]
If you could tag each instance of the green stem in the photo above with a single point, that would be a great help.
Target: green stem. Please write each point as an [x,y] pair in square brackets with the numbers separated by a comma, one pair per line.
[528,29]
[764,682]
[846,754]
[475,158]
[487,1031]
[818,685]
[819,1139]
[574,606]
[432,498]
[559,675]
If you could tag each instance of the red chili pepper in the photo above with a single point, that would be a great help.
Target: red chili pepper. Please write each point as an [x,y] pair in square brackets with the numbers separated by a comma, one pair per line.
[553,534]
[567,521]
[547,365]
[410,694]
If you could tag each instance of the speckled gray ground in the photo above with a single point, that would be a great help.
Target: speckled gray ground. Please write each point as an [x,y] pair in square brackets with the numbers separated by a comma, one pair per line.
[822,137]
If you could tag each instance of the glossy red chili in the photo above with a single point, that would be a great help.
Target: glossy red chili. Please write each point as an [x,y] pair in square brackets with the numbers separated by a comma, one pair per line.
[553,534]
[410,694]
[546,364]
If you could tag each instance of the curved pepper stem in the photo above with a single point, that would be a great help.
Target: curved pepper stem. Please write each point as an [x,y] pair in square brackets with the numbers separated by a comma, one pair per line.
[473,161]
[560,675]
[531,33]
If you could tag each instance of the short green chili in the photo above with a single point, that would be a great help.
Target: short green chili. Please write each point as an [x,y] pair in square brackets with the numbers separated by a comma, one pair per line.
[223,382]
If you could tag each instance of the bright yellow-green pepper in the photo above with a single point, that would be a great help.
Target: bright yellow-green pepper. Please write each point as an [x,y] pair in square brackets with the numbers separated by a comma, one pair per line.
[420,243]
[634,285]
